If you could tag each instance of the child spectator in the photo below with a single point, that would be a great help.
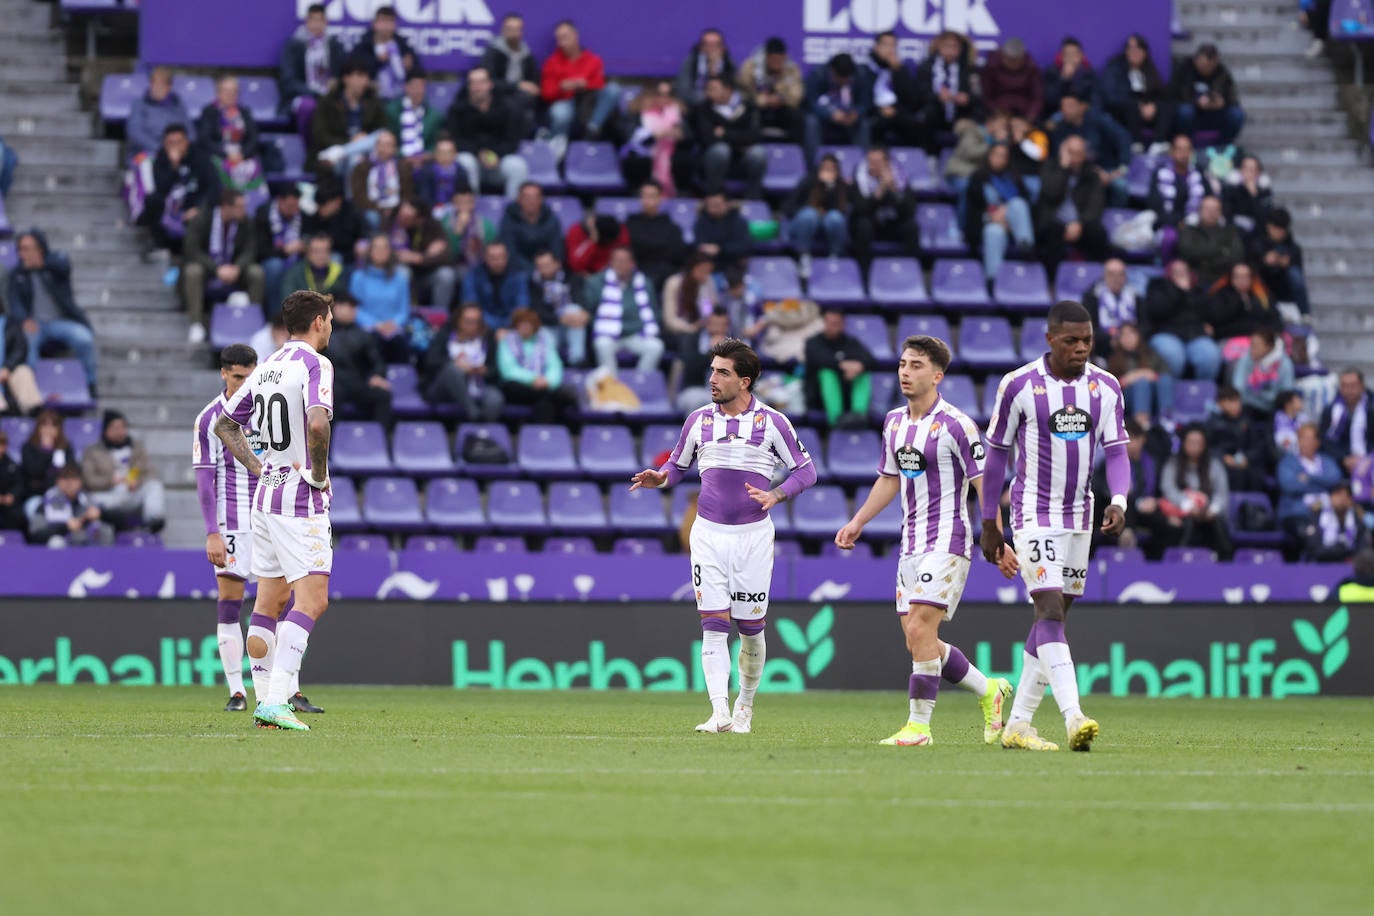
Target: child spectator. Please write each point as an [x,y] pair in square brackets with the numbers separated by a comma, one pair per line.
[67,516]
[655,150]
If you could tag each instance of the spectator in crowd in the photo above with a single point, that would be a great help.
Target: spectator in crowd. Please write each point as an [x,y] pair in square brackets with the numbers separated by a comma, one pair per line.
[1139,371]
[1278,258]
[627,316]
[839,373]
[946,81]
[381,181]
[1262,372]
[11,488]
[381,287]
[839,99]
[1069,74]
[1247,196]
[726,126]
[530,369]
[310,62]
[1112,302]
[1237,308]
[386,54]
[694,359]
[183,184]
[557,297]
[441,177]
[688,298]
[460,366]
[333,216]
[1193,484]
[359,367]
[530,226]
[41,302]
[1173,316]
[67,516]
[709,57]
[1011,81]
[787,326]
[720,232]
[743,301]
[1208,243]
[497,286]
[468,232]
[772,81]
[486,129]
[1144,522]
[1338,530]
[1358,587]
[18,387]
[1206,96]
[225,129]
[1347,423]
[1109,147]
[119,477]
[1290,412]
[896,94]
[654,238]
[277,225]
[573,85]
[153,112]
[1030,147]
[1241,441]
[590,242]
[46,452]
[317,271]
[422,246]
[347,122]
[1135,95]
[512,67]
[1303,479]
[971,149]
[1177,186]
[656,149]
[884,206]
[221,252]
[414,121]
[997,211]
[1315,16]
[269,338]
[1069,210]
[823,200]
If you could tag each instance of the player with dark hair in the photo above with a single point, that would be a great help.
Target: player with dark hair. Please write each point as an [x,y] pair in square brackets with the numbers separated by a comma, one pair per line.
[931,454]
[1057,410]
[737,442]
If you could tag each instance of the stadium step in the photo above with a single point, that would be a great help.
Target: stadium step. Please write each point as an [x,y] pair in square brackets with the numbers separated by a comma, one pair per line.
[60,127]
[146,333]
[96,153]
[1197,13]
[42,178]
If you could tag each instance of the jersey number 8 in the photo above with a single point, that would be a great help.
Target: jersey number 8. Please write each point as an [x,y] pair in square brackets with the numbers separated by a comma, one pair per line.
[272,421]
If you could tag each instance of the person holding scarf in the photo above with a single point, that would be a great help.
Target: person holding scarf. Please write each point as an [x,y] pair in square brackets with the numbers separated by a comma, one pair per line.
[280,242]
[626,318]
[381,181]
[1338,530]
[228,134]
[460,366]
[1112,303]
[414,121]
[709,57]
[1347,423]
[896,95]
[726,127]
[310,62]
[183,183]
[1177,188]
[530,369]
[946,80]
[839,98]
[442,178]
[220,251]
[386,54]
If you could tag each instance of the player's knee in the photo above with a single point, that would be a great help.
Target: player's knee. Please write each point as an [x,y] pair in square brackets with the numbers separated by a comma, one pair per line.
[752,627]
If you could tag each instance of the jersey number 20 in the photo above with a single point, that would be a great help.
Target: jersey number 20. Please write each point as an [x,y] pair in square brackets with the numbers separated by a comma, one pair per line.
[271,421]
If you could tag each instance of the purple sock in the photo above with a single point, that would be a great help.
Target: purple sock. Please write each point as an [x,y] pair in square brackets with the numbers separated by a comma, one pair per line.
[228,609]
[956,666]
[300,619]
[923,686]
[715,625]
[262,620]
[752,627]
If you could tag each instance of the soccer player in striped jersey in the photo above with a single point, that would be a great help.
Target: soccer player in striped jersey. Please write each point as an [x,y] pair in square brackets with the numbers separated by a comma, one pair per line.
[737,443]
[1057,410]
[289,400]
[931,454]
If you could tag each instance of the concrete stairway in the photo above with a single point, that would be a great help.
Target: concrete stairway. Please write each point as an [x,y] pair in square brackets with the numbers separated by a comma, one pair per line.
[1295,125]
[68,185]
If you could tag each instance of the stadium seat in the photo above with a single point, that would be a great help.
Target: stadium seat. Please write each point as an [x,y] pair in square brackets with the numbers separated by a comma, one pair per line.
[493,207]
[607,452]
[420,448]
[776,276]
[1193,399]
[1257,556]
[819,512]
[652,390]
[1189,555]
[196,92]
[516,507]
[1032,339]
[785,549]
[637,546]
[439,94]
[9,255]
[656,439]
[405,392]
[1114,555]
[581,546]
[815,447]
[959,391]
[988,405]
[871,331]
[886,395]
[680,497]
[260,95]
[82,432]
[851,157]
[18,429]
[233,324]
[366,543]
[494,544]
[545,452]
[118,92]
[986,343]
[913,162]
[498,434]
[862,549]
[928,325]
[1074,278]
[542,162]
[392,504]
[430,543]
[291,149]
[683,212]
[343,505]
[62,382]
[567,209]
[638,511]
[1020,286]
[959,284]
[1138,174]
[137,539]
[454,504]
[897,283]
[577,508]
[359,447]
[786,168]
[1270,538]
[619,207]
[593,167]
[940,232]
[836,281]
[887,527]
[852,455]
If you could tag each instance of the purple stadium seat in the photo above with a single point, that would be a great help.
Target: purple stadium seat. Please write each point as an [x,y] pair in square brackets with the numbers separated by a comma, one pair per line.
[405,392]
[1113,555]
[517,507]
[652,389]
[430,543]
[234,324]
[887,527]
[786,168]
[1193,398]
[577,508]
[454,504]
[929,325]
[392,504]
[850,158]
[819,512]
[420,448]
[814,443]
[837,281]
[440,94]
[359,448]
[680,496]
[871,330]
[913,162]
[493,544]
[755,211]
[1271,538]
[1138,174]
[989,403]
[9,255]
[619,207]
[500,435]
[637,546]
[291,148]
[18,429]
[492,207]
[1257,556]
[62,382]
[570,546]
[196,92]
[959,391]
[259,95]
[545,452]
[82,432]
[1021,286]
[885,395]
[593,167]
[1074,278]
[344,514]
[1032,339]
[853,455]
[607,452]
[638,511]
[959,284]
[1200,555]
[940,231]
[542,163]
[137,539]
[657,439]
[118,92]
[986,343]
[683,212]
[897,283]
[368,543]
[567,209]
[776,276]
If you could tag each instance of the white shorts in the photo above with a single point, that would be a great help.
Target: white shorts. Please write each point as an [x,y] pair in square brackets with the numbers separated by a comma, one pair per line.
[936,579]
[1053,559]
[291,548]
[238,555]
[732,567]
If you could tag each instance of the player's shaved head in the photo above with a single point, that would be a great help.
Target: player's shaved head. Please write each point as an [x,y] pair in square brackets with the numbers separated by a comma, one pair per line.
[238,355]
[745,360]
[932,348]
[1068,312]
[302,307]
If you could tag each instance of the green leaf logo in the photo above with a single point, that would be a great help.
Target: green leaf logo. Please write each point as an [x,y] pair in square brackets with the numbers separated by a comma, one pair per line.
[814,643]
[1331,643]
[1335,627]
[792,636]
[1309,637]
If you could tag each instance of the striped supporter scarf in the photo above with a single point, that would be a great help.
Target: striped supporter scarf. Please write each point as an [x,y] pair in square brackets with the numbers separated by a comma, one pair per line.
[610,312]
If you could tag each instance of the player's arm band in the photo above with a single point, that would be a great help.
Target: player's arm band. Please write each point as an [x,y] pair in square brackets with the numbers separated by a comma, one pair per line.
[1119,500]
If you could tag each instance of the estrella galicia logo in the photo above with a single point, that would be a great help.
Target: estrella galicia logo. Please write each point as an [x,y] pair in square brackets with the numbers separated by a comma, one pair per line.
[1070,423]
[910,461]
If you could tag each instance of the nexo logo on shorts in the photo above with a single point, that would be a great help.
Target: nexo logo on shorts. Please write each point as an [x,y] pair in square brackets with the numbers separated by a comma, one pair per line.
[1070,423]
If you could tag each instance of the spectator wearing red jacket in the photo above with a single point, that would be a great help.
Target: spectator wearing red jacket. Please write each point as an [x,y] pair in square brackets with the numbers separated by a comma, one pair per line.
[1011,82]
[574,87]
[591,242]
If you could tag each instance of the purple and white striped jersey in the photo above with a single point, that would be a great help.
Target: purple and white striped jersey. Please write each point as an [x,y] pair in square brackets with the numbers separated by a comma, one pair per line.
[276,398]
[1057,427]
[234,485]
[733,451]
[936,457]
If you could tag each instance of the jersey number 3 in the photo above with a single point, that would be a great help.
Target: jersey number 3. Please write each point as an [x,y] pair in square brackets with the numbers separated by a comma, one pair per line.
[271,421]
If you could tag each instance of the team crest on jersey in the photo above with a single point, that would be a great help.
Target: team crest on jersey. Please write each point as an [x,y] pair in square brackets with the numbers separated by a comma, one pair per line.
[935,428]
[911,462]
[1040,574]
[1092,388]
[698,596]
[759,420]
[195,450]
[1070,424]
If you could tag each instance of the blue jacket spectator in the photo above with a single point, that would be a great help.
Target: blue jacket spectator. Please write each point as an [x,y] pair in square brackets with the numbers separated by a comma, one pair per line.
[1069,74]
[839,98]
[1108,143]
[41,301]
[530,226]
[1304,478]
[720,232]
[382,288]
[497,286]
[151,115]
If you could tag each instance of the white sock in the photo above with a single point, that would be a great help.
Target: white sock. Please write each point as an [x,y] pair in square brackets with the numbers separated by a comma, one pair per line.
[928,670]
[262,667]
[753,652]
[231,655]
[286,664]
[1030,691]
[295,686]
[975,681]
[1058,666]
[715,665]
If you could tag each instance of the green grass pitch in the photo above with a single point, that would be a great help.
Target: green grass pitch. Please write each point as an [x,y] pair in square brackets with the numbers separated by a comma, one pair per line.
[434,801]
